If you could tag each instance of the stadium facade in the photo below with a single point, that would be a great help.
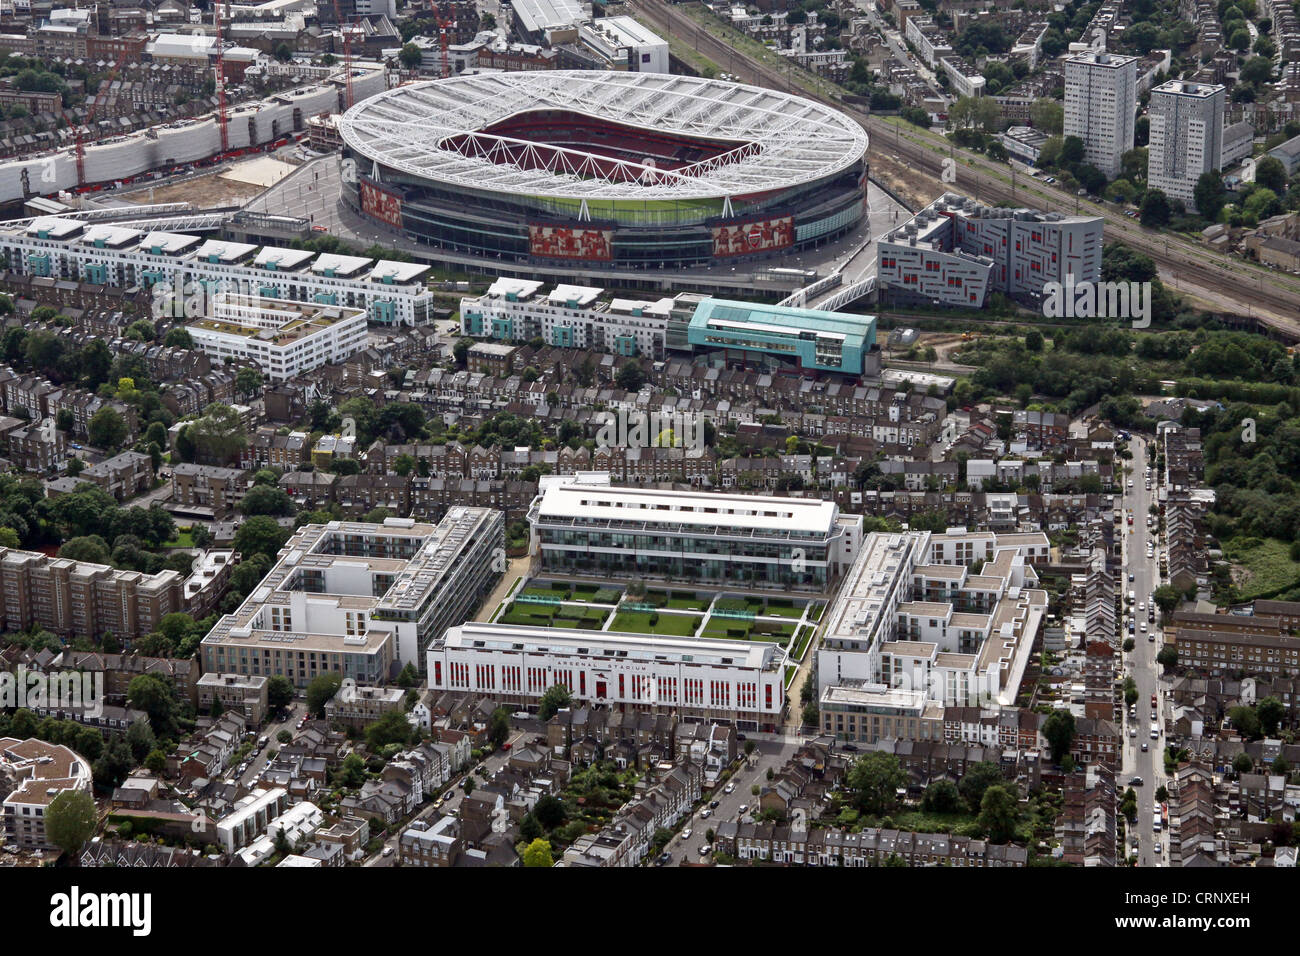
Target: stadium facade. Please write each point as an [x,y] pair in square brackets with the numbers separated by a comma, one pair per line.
[631,170]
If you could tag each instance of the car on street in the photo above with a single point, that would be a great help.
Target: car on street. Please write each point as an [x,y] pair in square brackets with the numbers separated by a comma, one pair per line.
[1157,849]
[729,788]
[664,859]
[1144,746]
[388,851]
[743,808]
[686,834]
[1136,782]
[706,849]
[706,813]
[1132,731]
[1155,734]
[713,804]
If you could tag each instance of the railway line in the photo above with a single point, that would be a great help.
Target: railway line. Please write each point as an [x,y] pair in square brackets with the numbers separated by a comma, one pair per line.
[1275,296]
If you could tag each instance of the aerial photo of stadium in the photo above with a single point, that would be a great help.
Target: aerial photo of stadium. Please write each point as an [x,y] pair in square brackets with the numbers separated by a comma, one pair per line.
[637,170]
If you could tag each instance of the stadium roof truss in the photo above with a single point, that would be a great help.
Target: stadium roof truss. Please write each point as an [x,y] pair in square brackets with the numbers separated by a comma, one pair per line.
[436,131]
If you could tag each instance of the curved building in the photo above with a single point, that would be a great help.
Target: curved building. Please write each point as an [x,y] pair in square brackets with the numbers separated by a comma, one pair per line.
[636,170]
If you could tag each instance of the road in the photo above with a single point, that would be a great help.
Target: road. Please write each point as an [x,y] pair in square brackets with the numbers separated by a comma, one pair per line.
[769,751]
[1141,663]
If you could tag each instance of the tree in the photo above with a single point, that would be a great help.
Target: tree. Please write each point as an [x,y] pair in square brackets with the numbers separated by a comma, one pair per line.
[283,52]
[1270,711]
[538,853]
[320,690]
[1166,598]
[1168,656]
[1210,194]
[1247,722]
[1058,729]
[1072,151]
[107,429]
[219,435]
[1271,174]
[999,813]
[1047,116]
[155,695]
[90,548]
[499,727]
[1257,69]
[978,779]
[554,699]
[1033,341]
[392,728]
[156,762]
[248,381]
[1242,763]
[410,55]
[874,779]
[260,535]
[266,500]
[140,738]
[975,112]
[630,376]
[550,812]
[942,796]
[279,692]
[70,820]
[351,772]
[178,337]
[1155,209]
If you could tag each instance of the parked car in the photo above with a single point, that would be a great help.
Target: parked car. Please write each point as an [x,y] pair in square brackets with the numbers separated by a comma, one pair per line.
[706,813]
[686,834]
[388,851]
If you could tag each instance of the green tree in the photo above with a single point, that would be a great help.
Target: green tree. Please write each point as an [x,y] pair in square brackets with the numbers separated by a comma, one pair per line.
[156,696]
[1242,763]
[999,813]
[1059,729]
[392,728]
[248,381]
[410,55]
[1168,656]
[538,853]
[1210,194]
[279,692]
[555,698]
[266,500]
[1047,116]
[499,727]
[178,337]
[320,690]
[156,761]
[107,429]
[874,779]
[351,772]
[140,738]
[1247,722]
[1270,711]
[942,796]
[550,812]
[219,435]
[91,548]
[260,535]
[70,820]
[977,780]
[1155,209]
[1271,174]
[630,376]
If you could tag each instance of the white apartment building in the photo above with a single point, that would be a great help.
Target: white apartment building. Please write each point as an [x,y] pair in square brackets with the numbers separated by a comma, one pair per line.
[584,526]
[355,598]
[700,679]
[1101,105]
[1186,136]
[282,338]
[250,818]
[571,316]
[915,626]
[38,772]
[190,268]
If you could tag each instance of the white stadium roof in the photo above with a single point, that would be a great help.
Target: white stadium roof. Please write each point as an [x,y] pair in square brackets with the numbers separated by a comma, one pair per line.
[788,140]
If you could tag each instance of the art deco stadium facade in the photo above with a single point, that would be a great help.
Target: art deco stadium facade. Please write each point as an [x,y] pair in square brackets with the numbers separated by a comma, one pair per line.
[631,170]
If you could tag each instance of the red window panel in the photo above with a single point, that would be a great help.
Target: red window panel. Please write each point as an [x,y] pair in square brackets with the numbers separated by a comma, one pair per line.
[437,672]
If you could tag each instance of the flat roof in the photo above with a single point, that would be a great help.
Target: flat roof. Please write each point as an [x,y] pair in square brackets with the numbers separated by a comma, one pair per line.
[339,265]
[224,251]
[860,330]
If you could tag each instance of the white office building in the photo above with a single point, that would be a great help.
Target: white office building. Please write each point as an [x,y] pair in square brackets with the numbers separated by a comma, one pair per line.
[624,44]
[186,270]
[283,338]
[1186,137]
[1101,105]
[584,526]
[699,679]
[359,599]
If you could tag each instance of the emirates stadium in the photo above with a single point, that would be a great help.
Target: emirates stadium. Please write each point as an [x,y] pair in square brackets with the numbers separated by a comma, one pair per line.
[638,170]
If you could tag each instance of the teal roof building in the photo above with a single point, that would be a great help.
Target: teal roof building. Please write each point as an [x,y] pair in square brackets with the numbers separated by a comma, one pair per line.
[811,339]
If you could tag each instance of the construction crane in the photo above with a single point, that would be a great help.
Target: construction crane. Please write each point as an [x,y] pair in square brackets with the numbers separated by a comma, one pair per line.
[347,54]
[221,84]
[79,131]
[444,28]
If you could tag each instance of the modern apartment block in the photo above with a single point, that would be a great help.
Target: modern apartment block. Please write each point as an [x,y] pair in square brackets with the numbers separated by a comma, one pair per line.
[698,679]
[1186,137]
[284,339]
[1101,106]
[80,599]
[584,526]
[571,316]
[957,250]
[360,599]
[33,773]
[915,628]
[389,293]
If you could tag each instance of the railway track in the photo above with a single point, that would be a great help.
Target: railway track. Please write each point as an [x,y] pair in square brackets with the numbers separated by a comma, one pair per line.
[1176,260]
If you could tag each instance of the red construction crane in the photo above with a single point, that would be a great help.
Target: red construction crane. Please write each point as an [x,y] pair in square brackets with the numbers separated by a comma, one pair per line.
[221,84]
[445,27]
[347,53]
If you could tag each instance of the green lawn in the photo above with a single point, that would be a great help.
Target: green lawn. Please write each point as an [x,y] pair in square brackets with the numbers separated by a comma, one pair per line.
[183,539]
[801,645]
[815,612]
[552,592]
[1267,565]
[779,610]
[638,622]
